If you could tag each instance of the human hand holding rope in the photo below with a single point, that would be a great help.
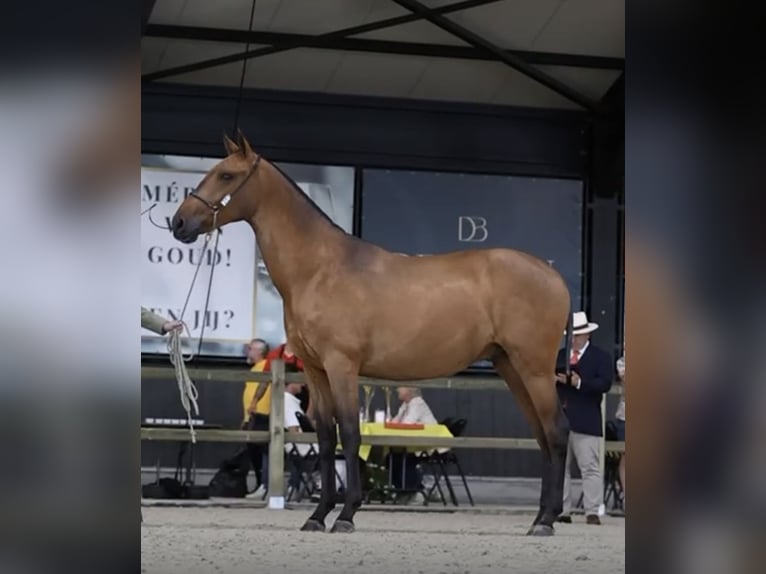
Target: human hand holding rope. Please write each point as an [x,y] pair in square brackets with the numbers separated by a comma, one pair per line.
[169,326]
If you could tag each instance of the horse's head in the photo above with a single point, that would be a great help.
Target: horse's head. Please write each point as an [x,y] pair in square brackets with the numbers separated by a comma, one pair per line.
[219,198]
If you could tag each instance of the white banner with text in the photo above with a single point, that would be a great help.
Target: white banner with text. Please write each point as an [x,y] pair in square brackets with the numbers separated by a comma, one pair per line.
[168,266]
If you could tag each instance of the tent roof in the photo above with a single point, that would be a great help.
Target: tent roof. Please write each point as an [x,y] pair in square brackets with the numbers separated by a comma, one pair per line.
[538,53]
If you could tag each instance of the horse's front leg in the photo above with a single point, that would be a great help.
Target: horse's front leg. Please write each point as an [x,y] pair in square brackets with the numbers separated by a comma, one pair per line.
[327,436]
[344,382]
[328,441]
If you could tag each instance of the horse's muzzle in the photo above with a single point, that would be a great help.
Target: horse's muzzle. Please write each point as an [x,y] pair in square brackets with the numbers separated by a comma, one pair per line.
[186,238]
[183,231]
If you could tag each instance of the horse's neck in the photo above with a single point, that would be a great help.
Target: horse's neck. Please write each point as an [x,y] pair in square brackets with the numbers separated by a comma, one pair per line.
[294,239]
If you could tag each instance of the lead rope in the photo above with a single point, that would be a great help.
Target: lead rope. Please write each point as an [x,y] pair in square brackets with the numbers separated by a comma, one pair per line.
[186,388]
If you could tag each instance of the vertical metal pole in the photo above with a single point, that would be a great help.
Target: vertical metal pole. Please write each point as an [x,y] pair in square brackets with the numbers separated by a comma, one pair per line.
[277,441]
[602,449]
[568,344]
[603,433]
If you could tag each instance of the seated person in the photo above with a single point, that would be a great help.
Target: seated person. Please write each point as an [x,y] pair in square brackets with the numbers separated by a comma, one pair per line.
[413,409]
[293,364]
[286,353]
[292,425]
[293,406]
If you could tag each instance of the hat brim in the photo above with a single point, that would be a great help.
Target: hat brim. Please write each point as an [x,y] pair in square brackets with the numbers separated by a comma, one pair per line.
[585,330]
[589,328]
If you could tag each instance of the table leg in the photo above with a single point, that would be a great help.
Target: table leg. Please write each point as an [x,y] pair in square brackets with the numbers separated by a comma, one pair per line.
[190,466]
[404,470]
[180,462]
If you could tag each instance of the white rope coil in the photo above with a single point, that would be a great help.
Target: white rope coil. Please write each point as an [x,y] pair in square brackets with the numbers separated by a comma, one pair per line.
[186,388]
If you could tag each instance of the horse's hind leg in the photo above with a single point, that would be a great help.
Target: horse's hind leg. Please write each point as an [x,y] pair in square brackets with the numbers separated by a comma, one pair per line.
[505,369]
[536,393]
[557,432]
[542,391]
[321,398]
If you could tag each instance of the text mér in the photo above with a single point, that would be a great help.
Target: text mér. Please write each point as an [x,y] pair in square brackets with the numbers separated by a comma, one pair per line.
[171,193]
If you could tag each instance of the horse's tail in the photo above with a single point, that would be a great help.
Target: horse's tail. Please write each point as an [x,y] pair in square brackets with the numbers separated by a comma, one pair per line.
[568,340]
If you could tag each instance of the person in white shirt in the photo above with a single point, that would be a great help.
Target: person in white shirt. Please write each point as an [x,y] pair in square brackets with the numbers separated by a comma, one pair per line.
[292,408]
[293,394]
[292,425]
[414,408]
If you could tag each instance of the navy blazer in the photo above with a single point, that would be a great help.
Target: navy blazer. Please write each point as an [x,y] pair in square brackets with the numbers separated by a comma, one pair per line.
[583,406]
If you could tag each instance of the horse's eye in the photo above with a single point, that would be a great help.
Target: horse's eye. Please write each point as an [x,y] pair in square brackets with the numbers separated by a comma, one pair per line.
[226,176]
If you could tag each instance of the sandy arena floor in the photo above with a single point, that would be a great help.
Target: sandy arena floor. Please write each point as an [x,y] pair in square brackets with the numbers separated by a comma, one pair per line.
[237,540]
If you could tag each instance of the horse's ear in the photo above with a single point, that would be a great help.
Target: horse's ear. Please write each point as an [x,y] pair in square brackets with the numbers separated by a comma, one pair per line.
[231,147]
[244,145]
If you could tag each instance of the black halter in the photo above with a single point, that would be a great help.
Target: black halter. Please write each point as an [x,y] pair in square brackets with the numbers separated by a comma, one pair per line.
[221,203]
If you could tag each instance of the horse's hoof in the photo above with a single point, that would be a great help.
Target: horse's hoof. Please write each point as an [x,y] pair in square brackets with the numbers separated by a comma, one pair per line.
[343,526]
[540,530]
[313,526]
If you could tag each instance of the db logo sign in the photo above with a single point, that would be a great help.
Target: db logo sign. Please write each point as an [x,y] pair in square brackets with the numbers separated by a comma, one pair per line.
[471,228]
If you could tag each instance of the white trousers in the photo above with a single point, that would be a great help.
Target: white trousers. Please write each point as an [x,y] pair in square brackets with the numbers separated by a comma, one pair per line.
[585,451]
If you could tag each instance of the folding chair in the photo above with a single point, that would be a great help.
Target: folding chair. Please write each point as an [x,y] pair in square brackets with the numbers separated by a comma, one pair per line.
[612,484]
[444,460]
[309,462]
[431,462]
[305,464]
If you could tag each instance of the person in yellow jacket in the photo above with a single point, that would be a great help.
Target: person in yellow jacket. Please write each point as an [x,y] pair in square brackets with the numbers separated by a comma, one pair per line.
[256,405]
[256,398]
[157,323]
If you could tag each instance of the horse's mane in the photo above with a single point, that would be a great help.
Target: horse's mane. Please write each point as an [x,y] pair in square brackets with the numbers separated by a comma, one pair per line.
[307,199]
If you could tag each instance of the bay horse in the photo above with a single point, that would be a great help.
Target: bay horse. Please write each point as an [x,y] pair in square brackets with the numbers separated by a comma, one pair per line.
[354,309]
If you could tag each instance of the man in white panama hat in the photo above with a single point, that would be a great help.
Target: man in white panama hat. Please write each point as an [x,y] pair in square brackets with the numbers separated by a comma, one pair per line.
[580,396]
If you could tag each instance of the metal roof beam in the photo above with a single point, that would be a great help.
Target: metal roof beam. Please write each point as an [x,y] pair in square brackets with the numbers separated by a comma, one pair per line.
[510,59]
[313,41]
[379,46]
[146,11]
